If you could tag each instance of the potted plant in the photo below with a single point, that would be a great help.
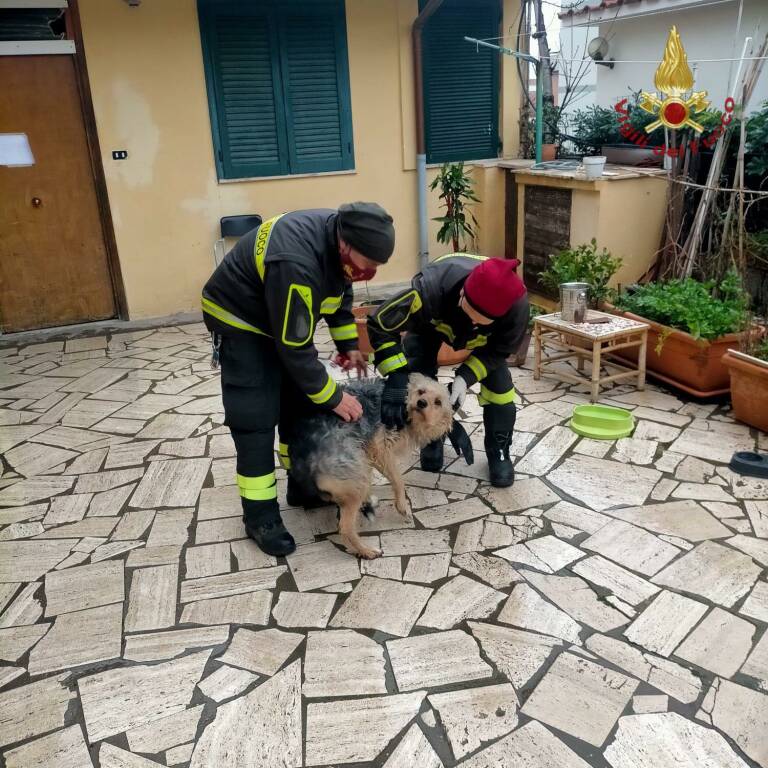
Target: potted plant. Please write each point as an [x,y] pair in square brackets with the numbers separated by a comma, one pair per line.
[519,357]
[749,382]
[457,194]
[692,325]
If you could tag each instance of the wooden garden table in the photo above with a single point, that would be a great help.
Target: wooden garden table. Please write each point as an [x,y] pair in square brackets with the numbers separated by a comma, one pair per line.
[556,339]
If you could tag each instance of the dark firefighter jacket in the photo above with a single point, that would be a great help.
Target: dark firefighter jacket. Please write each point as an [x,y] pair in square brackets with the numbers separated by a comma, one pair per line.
[278,281]
[431,305]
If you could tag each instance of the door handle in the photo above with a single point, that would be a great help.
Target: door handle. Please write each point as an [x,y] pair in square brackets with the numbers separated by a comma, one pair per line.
[36,202]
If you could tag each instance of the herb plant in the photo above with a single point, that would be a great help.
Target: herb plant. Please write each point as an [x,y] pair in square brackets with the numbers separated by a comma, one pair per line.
[456,192]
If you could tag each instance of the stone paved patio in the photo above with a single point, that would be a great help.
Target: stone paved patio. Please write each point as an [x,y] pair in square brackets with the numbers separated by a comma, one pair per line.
[609,609]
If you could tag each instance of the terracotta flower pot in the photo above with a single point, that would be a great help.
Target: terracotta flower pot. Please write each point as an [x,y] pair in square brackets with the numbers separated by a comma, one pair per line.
[548,152]
[694,366]
[749,388]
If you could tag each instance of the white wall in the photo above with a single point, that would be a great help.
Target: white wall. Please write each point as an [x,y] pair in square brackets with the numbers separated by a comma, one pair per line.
[707,33]
[573,45]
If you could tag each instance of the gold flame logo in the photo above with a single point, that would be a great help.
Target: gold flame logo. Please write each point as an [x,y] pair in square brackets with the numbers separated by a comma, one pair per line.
[674,78]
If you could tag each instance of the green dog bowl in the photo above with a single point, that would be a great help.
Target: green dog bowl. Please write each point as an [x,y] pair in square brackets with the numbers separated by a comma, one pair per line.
[601,422]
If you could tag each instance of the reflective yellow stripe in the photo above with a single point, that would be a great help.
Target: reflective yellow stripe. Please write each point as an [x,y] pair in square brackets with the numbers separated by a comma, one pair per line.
[415,299]
[498,398]
[477,367]
[468,255]
[282,451]
[445,329]
[262,241]
[330,304]
[385,345]
[214,310]
[325,394]
[261,488]
[478,341]
[305,294]
[392,364]
[343,332]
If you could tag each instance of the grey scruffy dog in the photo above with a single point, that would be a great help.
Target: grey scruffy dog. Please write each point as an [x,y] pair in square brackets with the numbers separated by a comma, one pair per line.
[335,458]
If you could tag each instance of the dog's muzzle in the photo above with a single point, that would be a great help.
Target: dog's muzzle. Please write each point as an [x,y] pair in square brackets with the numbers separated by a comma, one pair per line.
[421,404]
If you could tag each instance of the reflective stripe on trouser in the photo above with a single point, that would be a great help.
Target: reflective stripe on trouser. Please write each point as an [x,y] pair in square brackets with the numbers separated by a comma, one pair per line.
[282,453]
[261,488]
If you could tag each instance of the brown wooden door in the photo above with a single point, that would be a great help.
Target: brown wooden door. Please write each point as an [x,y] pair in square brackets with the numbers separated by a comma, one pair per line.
[53,261]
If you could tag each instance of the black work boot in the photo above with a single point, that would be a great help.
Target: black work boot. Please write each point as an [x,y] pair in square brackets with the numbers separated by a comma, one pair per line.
[296,496]
[432,456]
[500,467]
[264,526]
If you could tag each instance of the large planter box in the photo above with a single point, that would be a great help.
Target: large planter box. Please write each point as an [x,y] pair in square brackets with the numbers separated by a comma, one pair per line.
[694,366]
[749,388]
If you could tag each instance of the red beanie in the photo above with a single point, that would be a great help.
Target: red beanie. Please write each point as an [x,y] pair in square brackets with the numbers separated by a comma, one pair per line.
[493,287]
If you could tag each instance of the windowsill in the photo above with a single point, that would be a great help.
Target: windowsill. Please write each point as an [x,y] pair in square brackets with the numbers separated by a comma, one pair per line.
[349,172]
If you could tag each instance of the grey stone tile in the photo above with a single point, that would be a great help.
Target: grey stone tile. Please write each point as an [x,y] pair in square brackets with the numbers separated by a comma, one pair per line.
[742,714]
[700,443]
[170,526]
[263,652]
[388,606]
[68,509]
[757,549]
[650,704]
[547,452]
[712,571]
[133,524]
[107,480]
[526,493]
[663,625]
[426,569]
[458,599]
[225,529]
[414,750]
[32,709]
[84,637]
[547,554]
[86,586]
[318,565]
[756,605]
[151,556]
[756,664]
[575,516]
[64,749]
[113,549]
[685,519]
[377,721]
[108,503]
[185,449]
[420,542]
[16,641]
[129,454]
[436,660]
[171,483]
[166,732]
[248,555]
[580,698]
[297,609]
[152,599]
[382,568]
[172,426]
[250,608]
[229,584]
[223,501]
[492,570]
[25,608]
[208,560]
[455,512]
[634,450]
[226,682]
[8,674]
[426,497]
[702,492]
[149,406]
[91,526]
[154,646]
[343,663]
[526,609]
[622,583]
[34,489]
[29,459]
[120,699]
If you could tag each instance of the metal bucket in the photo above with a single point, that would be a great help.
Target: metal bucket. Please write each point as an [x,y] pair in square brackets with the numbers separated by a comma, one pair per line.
[573,302]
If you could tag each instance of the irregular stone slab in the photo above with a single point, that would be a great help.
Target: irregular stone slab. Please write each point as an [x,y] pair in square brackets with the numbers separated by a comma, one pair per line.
[406,542]
[756,605]
[171,483]
[68,509]
[251,608]
[149,406]
[151,556]
[219,502]
[492,570]
[685,519]
[531,746]
[468,538]
[91,526]
[425,497]
[476,715]
[15,434]
[225,529]
[434,660]
[264,651]
[208,560]
[230,584]
[702,492]
[169,527]
[525,608]
[342,663]
[527,493]
[547,452]
[758,516]
[120,699]
[662,626]
[25,607]
[458,599]
[713,571]
[249,556]
[168,645]
[704,445]
[171,426]
[261,729]
[757,664]
[332,740]
[84,637]
[16,641]
[653,740]
[677,681]
[389,606]
[152,599]
[297,609]
[226,682]
[581,698]
[757,549]
[574,596]
[8,674]
[646,705]
[129,454]
[32,709]
[414,750]
[321,564]
[578,517]
[426,569]
[633,450]
[720,643]
[180,754]
[631,547]
[63,749]
[547,554]
[106,481]
[625,585]
[108,503]
[166,732]
[742,714]
[518,655]
[29,459]
[85,586]
[34,489]
[455,512]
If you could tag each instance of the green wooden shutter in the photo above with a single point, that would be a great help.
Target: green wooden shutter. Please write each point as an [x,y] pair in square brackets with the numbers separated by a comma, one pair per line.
[461,84]
[314,68]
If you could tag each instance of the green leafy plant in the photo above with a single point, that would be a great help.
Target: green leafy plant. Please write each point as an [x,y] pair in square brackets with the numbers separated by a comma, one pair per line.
[705,310]
[582,264]
[757,143]
[457,193]
[534,311]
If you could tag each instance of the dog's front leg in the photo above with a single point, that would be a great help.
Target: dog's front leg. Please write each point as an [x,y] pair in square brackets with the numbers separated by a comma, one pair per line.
[390,469]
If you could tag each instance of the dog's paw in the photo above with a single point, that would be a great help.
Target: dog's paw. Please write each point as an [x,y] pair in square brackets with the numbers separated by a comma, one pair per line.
[368,553]
[404,508]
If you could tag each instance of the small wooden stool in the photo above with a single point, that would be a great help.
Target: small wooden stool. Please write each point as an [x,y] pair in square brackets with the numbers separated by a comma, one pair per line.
[588,341]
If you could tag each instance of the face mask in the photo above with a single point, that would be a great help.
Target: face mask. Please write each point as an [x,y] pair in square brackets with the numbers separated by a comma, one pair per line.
[352,272]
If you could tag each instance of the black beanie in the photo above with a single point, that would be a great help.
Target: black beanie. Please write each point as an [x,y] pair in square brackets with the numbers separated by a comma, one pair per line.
[368,228]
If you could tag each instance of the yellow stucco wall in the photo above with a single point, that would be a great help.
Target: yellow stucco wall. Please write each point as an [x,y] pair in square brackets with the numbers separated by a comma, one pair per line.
[148,86]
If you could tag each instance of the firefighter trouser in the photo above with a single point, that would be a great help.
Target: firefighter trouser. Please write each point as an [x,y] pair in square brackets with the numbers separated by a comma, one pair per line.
[497,393]
[258,395]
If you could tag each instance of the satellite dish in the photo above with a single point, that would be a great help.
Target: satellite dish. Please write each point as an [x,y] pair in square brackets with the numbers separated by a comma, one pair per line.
[598,50]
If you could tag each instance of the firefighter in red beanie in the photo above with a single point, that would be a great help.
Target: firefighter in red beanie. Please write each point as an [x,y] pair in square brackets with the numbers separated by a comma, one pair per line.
[468,302]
